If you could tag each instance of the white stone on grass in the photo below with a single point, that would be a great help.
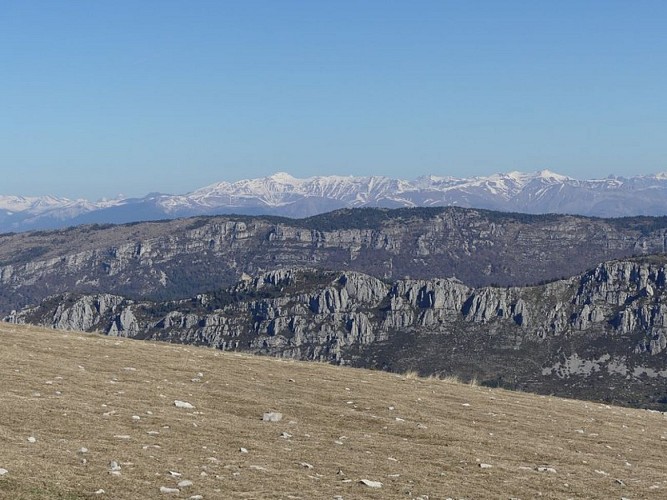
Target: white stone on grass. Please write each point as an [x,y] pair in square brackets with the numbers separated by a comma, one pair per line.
[3,471]
[272,417]
[183,404]
[164,489]
[371,484]
[185,483]
[32,439]
[546,469]
[485,466]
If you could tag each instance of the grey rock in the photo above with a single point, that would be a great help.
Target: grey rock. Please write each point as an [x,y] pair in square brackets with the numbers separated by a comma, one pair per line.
[272,417]
[546,469]
[602,325]
[140,259]
[371,484]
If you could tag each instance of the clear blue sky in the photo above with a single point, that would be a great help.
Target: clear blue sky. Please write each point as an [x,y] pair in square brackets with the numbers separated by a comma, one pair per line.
[99,97]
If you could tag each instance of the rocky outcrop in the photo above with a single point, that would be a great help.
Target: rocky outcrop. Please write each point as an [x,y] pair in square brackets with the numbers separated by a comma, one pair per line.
[610,322]
[168,260]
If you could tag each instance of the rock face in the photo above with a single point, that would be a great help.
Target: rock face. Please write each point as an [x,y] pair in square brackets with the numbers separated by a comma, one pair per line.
[184,257]
[599,335]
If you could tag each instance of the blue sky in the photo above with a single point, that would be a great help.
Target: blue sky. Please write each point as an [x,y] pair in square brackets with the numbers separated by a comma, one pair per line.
[105,97]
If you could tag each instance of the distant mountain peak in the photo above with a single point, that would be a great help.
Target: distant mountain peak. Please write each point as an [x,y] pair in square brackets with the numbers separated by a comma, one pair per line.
[543,191]
[282,177]
[552,176]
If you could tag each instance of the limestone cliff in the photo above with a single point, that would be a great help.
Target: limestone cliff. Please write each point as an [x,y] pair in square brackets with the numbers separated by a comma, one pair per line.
[180,258]
[602,334]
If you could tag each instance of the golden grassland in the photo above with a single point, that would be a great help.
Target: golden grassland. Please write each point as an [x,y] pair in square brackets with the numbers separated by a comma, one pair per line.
[419,437]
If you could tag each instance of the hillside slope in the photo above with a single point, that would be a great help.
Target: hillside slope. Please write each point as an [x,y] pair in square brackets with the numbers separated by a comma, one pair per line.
[89,401]
[180,258]
[600,335]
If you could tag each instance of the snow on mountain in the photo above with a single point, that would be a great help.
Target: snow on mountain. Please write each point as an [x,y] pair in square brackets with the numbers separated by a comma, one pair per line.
[282,194]
[34,204]
[19,213]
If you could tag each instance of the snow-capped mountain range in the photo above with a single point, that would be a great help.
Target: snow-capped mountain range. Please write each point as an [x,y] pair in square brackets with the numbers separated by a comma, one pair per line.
[282,194]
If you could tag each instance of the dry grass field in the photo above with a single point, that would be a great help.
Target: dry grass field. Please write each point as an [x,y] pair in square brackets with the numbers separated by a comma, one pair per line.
[71,404]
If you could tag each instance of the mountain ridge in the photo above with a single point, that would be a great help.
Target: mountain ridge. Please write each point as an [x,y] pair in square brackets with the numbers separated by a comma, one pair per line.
[178,258]
[284,195]
[600,335]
